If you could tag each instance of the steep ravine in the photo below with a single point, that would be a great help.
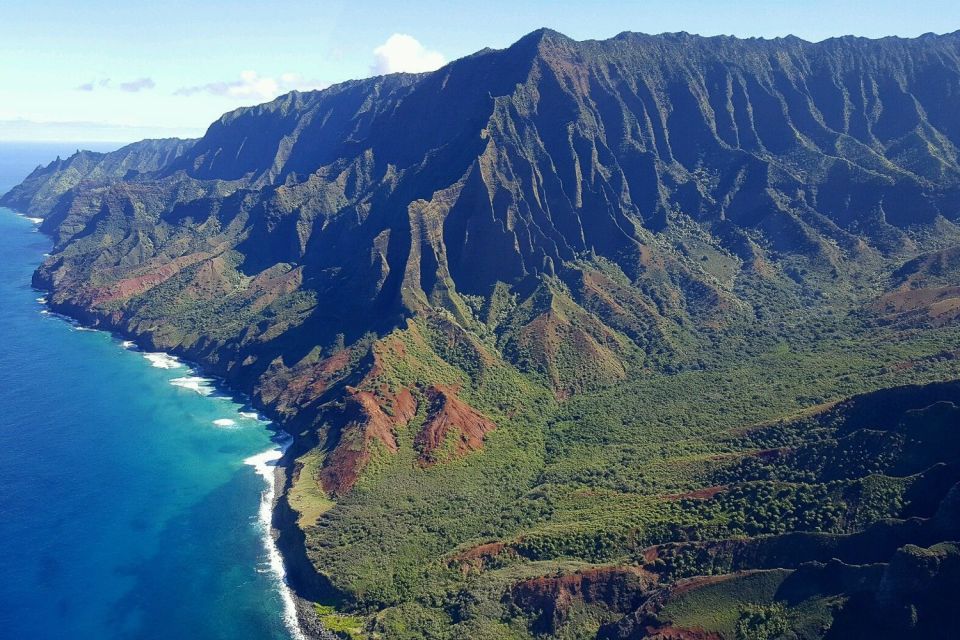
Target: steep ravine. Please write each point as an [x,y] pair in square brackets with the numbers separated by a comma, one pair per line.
[519,300]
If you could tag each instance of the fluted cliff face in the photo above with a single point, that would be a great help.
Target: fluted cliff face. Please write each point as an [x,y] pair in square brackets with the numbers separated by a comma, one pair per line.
[397,193]
[424,269]
[43,188]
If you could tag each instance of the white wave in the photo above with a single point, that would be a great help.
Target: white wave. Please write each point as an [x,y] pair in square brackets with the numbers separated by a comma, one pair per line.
[78,327]
[200,385]
[59,316]
[34,220]
[163,360]
[264,464]
[225,422]
[128,344]
[253,415]
[42,299]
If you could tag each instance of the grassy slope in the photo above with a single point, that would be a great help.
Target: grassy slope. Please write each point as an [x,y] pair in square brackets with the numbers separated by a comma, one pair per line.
[619,373]
[565,481]
[584,480]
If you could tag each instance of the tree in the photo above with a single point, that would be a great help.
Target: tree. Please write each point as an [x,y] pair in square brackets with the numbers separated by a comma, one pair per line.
[761,622]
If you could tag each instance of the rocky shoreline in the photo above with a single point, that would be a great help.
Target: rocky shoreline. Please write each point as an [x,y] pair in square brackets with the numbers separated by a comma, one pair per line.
[310,625]
[301,577]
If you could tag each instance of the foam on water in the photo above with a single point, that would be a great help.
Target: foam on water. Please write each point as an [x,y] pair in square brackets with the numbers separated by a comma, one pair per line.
[163,360]
[59,316]
[264,464]
[253,415]
[203,386]
[42,349]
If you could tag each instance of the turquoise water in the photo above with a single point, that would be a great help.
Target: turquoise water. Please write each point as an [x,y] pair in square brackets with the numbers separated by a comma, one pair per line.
[125,510]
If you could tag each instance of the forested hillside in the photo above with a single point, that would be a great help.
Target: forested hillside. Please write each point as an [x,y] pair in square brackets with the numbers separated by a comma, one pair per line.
[645,337]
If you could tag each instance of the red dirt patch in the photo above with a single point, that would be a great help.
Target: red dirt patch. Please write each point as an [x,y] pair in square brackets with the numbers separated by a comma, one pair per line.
[450,416]
[939,306]
[690,584]
[136,285]
[270,285]
[489,549]
[477,559]
[669,632]
[366,418]
[552,338]
[287,388]
[619,588]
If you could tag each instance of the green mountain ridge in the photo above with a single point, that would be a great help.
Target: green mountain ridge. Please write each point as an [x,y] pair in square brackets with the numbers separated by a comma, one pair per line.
[526,316]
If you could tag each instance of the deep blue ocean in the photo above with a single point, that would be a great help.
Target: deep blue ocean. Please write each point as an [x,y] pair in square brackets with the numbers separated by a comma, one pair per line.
[127,509]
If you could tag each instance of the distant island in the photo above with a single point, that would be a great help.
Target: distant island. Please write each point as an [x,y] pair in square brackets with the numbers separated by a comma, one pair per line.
[648,337]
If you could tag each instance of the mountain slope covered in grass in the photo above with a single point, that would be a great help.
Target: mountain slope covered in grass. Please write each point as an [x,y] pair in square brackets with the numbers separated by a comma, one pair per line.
[566,333]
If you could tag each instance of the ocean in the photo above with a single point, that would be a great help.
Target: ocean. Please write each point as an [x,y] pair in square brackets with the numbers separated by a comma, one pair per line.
[133,492]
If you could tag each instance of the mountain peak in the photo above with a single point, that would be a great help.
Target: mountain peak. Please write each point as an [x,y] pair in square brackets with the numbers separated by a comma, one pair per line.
[541,40]
[544,33]
[417,273]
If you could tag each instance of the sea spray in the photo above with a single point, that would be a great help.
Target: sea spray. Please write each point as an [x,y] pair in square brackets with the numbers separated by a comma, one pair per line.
[265,465]
[203,386]
[35,221]
[162,555]
[163,360]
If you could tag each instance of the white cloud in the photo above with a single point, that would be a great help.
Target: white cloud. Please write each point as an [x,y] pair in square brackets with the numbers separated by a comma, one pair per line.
[402,52]
[101,84]
[252,85]
[135,86]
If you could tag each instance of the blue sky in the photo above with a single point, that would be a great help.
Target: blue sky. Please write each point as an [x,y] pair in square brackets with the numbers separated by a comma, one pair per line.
[90,70]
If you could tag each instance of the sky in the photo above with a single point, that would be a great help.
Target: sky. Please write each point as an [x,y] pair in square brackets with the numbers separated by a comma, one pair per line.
[99,70]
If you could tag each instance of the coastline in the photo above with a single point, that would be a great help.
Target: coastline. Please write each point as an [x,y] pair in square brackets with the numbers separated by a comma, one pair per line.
[265,464]
[308,622]
[298,613]
[299,616]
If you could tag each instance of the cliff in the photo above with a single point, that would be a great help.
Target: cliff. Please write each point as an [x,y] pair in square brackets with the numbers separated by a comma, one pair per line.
[522,297]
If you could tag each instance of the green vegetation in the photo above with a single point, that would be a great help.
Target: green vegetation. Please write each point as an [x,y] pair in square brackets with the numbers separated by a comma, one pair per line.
[717,606]
[758,622]
[554,365]
[347,626]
